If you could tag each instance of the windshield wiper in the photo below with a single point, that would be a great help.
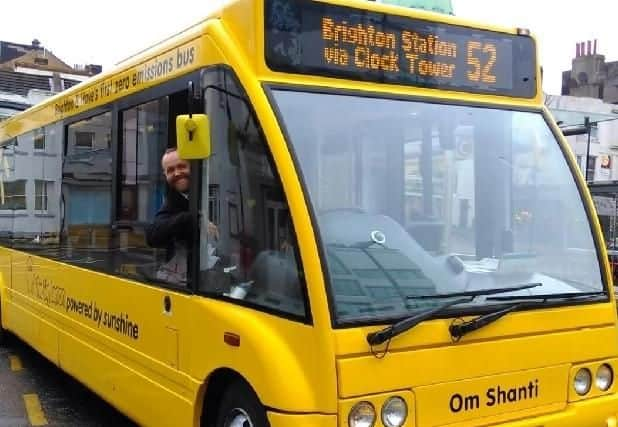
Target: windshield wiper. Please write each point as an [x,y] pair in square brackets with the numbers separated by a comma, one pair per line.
[477,292]
[383,335]
[459,330]
[548,297]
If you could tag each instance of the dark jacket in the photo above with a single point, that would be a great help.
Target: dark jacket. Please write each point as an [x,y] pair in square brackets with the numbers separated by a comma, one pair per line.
[172,224]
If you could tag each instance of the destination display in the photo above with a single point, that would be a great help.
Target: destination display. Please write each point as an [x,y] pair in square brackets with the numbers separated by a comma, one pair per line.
[310,37]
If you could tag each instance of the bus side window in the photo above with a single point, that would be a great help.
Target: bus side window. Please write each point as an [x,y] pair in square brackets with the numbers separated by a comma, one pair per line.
[253,256]
[87,193]
[144,136]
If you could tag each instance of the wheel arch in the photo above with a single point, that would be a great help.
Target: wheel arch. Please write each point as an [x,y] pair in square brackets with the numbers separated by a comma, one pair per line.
[211,392]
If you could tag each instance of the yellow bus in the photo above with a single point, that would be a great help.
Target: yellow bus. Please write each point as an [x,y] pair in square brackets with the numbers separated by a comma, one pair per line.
[402,236]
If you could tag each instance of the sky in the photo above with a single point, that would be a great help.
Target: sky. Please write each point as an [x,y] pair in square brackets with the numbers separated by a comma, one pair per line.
[108,32]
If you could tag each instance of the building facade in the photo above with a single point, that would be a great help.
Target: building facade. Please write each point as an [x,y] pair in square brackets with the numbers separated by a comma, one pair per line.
[590,75]
[590,90]
[30,172]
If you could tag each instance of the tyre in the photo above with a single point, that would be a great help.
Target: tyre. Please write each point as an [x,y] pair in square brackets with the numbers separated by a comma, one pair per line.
[240,407]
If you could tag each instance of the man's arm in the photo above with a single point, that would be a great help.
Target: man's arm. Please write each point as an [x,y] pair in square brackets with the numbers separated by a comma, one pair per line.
[167,227]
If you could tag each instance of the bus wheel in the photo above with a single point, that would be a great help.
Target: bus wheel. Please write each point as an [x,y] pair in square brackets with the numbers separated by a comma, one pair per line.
[240,407]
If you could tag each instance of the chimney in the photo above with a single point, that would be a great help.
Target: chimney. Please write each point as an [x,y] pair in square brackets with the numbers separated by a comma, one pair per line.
[93,69]
[589,47]
[577,50]
[56,83]
[595,46]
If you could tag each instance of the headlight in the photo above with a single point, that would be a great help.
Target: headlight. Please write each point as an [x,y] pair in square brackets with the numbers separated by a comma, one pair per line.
[582,381]
[394,412]
[362,415]
[604,377]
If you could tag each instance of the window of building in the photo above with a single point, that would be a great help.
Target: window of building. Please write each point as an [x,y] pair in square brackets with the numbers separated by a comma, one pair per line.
[213,203]
[592,163]
[39,139]
[85,140]
[7,173]
[13,195]
[41,191]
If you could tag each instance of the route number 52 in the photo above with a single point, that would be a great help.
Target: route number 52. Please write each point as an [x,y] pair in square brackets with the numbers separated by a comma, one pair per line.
[481,72]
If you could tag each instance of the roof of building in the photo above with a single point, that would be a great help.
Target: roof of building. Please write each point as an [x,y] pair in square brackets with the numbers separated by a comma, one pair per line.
[35,56]
[42,60]
[10,51]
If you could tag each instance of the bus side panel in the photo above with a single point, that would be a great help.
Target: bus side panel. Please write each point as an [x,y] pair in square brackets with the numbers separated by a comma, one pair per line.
[5,267]
[116,338]
[79,319]
[279,358]
[5,283]
[134,394]
[23,312]
[21,321]
[28,316]
[32,327]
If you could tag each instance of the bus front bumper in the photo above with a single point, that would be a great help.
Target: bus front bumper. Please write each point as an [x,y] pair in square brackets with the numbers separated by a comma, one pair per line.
[596,412]
[278,419]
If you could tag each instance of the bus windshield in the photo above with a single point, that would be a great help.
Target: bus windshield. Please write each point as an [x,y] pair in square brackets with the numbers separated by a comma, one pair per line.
[416,198]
